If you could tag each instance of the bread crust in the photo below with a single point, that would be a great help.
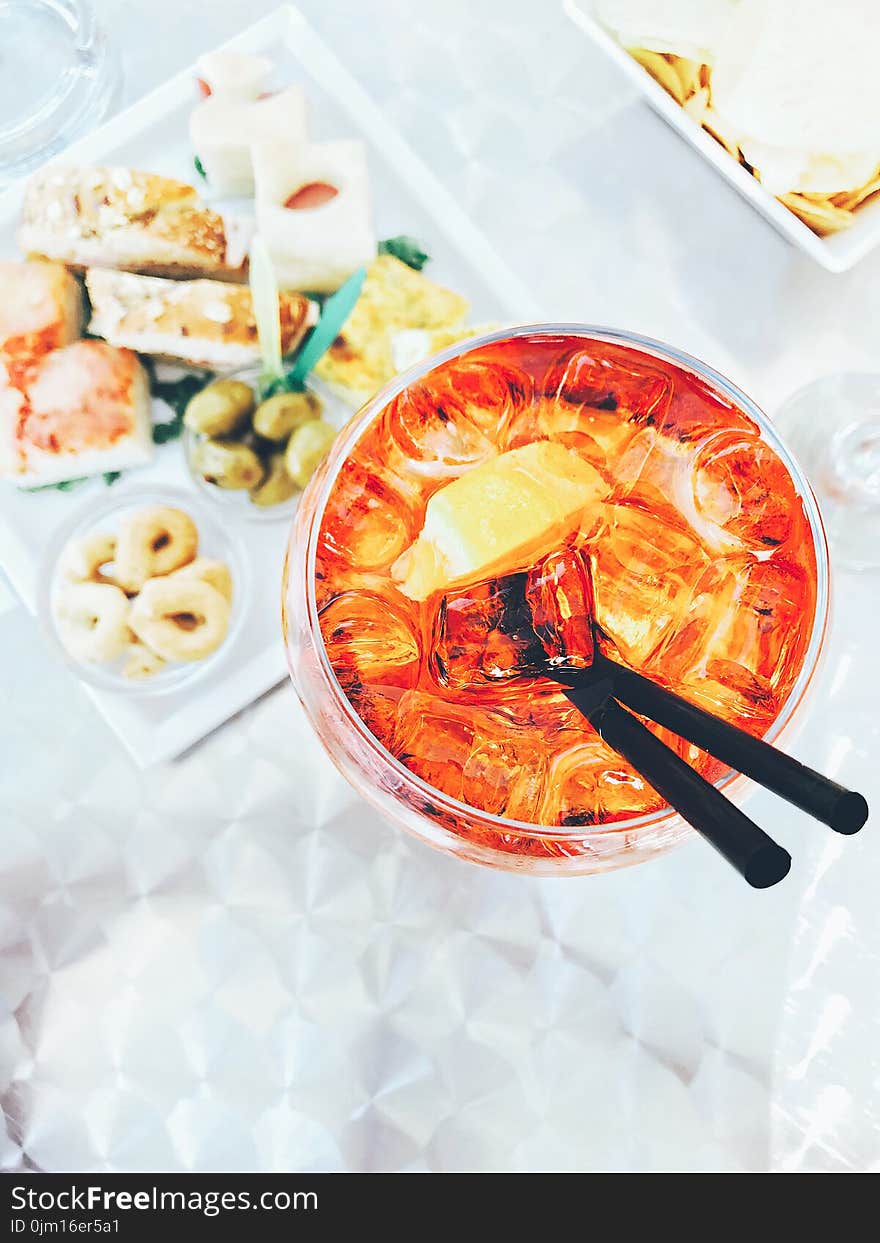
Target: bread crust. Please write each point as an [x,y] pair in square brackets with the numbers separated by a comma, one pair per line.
[203,323]
[41,310]
[111,216]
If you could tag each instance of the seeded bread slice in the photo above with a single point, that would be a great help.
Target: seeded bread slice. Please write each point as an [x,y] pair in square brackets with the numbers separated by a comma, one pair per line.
[124,218]
[202,323]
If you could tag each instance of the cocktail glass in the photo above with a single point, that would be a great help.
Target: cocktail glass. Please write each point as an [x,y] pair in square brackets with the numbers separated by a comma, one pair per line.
[434,815]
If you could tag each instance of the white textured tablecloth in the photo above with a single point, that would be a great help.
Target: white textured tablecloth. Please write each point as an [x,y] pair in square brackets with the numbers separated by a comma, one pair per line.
[230,963]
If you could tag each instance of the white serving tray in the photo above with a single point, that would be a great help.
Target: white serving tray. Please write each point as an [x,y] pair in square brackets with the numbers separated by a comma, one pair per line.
[836,253]
[407,198]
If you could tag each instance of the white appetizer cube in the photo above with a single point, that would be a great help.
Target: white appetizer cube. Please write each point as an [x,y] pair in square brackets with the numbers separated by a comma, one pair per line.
[223,127]
[235,75]
[313,212]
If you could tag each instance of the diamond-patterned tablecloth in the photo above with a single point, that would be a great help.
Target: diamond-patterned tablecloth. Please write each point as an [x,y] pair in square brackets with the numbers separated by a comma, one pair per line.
[229,962]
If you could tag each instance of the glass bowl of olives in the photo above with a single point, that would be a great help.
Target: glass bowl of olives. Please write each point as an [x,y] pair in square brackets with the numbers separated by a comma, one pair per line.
[255,453]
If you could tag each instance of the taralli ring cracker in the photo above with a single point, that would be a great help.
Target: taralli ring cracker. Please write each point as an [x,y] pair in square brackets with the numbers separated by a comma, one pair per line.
[154,541]
[84,558]
[93,621]
[215,573]
[180,618]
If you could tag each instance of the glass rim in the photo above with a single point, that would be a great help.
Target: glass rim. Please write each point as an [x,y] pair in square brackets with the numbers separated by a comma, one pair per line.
[729,779]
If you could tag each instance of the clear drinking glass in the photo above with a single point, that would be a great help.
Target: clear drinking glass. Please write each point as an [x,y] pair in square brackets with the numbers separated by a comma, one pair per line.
[405,799]
[833,425]
[58,78]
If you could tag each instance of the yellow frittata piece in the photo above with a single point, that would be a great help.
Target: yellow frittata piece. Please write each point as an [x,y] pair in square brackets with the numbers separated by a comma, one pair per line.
[394,297]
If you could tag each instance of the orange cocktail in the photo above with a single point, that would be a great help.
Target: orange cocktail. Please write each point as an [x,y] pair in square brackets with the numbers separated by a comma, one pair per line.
[703,552]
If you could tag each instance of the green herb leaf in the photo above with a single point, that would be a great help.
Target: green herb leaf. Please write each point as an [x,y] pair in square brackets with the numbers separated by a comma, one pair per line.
[110,477]
[335,311]
[177,394]
[66,485]
[334,314]
[318,298]
[282,384]
[406,249]
[200,168]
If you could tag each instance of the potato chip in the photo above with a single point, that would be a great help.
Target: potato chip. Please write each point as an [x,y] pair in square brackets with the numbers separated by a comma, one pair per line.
[820,214]
[785,171]
[688,28]
[660,70]
[849,200]
[687,72]
[716,125]
[698,105]
[802,74]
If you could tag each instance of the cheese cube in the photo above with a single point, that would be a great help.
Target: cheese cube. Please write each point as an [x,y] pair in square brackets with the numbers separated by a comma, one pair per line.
[223,127]
[313,212]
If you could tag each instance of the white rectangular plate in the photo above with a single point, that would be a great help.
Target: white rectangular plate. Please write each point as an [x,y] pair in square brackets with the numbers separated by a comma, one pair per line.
[837,253]
[407,198]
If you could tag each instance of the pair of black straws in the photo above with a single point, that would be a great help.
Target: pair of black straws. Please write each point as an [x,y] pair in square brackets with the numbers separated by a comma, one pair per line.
[605,691]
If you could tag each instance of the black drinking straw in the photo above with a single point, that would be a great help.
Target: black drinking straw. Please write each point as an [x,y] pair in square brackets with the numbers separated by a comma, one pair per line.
[843,810]
[747,847]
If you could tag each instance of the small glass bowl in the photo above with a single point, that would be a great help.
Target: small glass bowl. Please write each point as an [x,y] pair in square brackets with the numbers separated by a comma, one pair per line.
[238,502]
[104,515]
[60,78]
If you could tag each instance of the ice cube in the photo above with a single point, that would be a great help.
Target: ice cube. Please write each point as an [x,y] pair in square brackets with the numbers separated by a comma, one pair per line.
[371,515]
[483,635]
[377,710]
[599,436]
[659,473]
[741,485]
[769,625]
[514,627]
[696,410]
[682,649]
[506,775]
[333,577]
[594,400]
[473,755]
[644,573]
[453,418]
[729,689]
[434,738]
[559,595]
[747,628]
[588,784]
[603,377]
[368,640]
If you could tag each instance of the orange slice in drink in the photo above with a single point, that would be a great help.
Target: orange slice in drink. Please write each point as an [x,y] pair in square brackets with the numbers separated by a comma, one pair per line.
[503,515]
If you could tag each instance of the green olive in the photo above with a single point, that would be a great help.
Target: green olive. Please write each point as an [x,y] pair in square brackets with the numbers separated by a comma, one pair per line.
[307,448]
[228,465]
[277,416]
[276,487]
[220,409]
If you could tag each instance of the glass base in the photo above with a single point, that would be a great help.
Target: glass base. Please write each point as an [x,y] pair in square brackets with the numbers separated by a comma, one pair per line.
[833,427]
[59,79]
